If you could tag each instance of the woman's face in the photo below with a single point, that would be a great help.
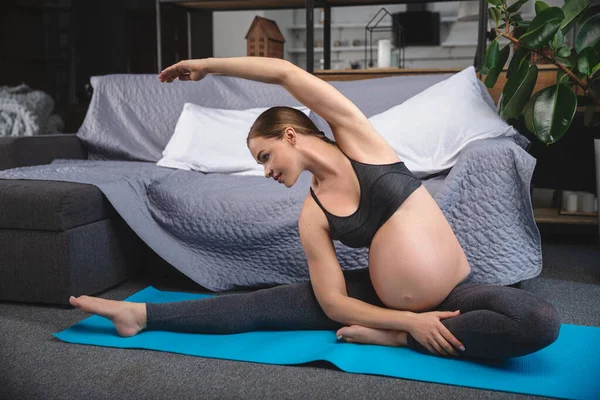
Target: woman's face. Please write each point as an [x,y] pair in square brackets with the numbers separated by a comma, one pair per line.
[277,156]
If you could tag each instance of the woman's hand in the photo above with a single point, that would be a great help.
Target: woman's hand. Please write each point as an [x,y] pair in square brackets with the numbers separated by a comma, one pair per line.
[428,330]
[186,70]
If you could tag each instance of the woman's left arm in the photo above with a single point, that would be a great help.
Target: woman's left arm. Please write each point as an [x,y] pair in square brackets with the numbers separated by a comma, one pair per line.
[313,92]
[262,69]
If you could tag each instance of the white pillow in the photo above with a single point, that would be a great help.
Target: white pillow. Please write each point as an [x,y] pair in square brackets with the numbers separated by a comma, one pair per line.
[213,140]
[429,130]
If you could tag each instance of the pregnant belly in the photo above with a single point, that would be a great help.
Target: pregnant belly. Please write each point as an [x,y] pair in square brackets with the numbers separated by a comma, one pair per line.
[415,259]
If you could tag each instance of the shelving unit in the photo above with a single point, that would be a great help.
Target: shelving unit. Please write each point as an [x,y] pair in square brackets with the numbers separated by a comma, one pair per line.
[444,19]
[362,49]
[552,216]
[551,222]
[340,29]
[310,26]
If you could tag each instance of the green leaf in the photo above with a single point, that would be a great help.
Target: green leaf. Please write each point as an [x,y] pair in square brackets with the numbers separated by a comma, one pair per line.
[491,54]
[543,28]
[496,68]
[517,24]
[558,40]
[517,91]
[516,17]
[567,63]
[517,32]
[549,112]
[572,9]
[540,6]
[586,60]
[495,2]
[595,69]
[564,51]
[516,6]
[494,14]
[589,34]
[589,12]
[562,77]
[522,54]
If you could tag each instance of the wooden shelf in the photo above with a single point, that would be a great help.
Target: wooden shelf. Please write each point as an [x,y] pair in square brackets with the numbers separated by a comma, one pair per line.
[552,216]
[355,74]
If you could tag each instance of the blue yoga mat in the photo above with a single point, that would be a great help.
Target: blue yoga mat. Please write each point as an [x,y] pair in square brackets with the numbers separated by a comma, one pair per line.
[569,368]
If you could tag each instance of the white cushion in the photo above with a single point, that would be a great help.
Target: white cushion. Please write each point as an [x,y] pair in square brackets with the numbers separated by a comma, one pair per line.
[429,130]
[213,140]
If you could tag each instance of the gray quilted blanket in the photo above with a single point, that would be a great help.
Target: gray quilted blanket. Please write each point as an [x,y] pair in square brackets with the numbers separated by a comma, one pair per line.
[227,232]
[132,117]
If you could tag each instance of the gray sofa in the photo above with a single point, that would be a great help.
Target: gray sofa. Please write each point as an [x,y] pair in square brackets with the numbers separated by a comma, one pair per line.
[60,236]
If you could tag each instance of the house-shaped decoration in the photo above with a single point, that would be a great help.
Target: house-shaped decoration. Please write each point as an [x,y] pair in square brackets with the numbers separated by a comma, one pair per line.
[264,39]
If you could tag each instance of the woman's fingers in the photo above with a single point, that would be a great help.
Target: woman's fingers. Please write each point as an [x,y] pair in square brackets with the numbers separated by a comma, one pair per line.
[448,349]
[165,75]
[448,314]
[171,69]
[437,349]
[448,336]
[169,74]
[430,348]
[183,76]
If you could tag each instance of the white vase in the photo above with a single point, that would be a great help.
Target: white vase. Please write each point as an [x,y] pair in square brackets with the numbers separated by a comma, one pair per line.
[597,151]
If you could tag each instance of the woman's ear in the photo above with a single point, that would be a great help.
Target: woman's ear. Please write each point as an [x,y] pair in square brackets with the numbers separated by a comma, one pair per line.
[290,135]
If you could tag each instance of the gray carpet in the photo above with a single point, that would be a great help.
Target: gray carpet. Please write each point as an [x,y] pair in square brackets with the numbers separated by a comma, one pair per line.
[35,365]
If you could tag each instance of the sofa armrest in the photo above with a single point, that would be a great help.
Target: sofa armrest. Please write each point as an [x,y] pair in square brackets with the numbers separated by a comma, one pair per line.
[24,151]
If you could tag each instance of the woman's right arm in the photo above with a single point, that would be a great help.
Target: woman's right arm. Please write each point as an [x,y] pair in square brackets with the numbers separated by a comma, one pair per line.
[328,281]
[329,286]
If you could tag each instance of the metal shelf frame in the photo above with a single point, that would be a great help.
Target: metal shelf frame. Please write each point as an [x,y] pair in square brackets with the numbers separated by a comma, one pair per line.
[309,6]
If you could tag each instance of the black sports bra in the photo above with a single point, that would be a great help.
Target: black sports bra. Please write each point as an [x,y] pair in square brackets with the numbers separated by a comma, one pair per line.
[383,188]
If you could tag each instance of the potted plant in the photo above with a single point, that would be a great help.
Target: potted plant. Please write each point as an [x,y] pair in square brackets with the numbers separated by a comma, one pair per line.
[549,112]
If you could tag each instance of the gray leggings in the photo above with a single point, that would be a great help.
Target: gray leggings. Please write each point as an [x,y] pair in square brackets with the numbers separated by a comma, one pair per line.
[495,322]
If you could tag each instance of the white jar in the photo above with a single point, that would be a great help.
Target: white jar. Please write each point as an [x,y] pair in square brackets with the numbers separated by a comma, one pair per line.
[571,205]
[587,202]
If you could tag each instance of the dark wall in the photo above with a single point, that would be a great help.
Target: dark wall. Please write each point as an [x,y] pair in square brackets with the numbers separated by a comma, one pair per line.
[57,45]
[22,47]
[100,41]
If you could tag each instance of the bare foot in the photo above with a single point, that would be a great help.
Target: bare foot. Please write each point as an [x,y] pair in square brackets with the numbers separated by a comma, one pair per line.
[363,334]
[128,318]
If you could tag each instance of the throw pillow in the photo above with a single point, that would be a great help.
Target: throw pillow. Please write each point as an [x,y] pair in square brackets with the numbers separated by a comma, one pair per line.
[213,140]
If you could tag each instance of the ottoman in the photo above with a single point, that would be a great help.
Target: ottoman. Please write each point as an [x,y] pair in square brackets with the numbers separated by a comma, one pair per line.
[59,239]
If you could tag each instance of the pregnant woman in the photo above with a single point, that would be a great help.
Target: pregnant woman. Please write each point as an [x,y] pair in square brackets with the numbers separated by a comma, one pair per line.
[417,289]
